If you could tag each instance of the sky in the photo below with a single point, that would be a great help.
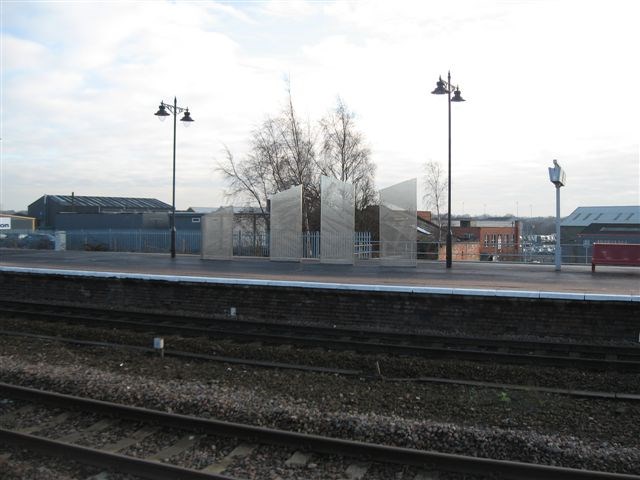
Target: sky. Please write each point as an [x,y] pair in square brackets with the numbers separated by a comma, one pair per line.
[542,80]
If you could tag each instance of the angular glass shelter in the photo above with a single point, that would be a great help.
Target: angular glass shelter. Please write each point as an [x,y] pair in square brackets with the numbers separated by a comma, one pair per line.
[217,234]
[285,240]
[398,222]
[337,221]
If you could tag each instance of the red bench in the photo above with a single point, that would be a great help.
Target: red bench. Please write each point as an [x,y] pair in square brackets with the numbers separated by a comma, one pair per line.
[615,254]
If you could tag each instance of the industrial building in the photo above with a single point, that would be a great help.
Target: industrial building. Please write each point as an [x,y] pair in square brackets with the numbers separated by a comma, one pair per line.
[16,222]
[605,224]
[53,212]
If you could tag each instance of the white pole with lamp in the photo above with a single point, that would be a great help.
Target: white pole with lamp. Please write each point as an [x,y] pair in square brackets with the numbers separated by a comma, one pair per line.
[559,178]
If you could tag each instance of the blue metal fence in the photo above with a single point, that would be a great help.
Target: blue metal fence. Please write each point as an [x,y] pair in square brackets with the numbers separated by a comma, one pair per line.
[245,244]
[149,241]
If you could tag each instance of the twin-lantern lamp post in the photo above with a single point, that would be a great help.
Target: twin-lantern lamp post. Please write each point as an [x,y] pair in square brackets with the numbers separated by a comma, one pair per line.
[162,114]
[445,87]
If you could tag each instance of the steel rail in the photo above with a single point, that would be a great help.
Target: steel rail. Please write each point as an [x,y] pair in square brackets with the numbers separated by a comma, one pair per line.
[631,397]
[628,397]
[182,354]
[396,349]
[99,458]
[317,443]
[584,348]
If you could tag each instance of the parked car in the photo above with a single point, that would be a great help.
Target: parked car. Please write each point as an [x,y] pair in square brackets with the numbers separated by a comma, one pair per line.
[40,241]
[11,239]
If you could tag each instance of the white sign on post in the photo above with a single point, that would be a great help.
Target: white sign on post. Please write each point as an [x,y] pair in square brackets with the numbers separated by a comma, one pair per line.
[5,223]
[557,175]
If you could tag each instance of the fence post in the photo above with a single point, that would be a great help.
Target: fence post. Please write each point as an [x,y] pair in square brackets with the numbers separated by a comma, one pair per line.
[60,240]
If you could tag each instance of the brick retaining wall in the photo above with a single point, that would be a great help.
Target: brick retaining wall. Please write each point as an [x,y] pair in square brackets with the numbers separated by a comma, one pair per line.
[376,310]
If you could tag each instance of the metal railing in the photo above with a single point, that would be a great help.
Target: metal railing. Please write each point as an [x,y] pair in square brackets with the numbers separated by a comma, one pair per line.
[158,241]
[248,244]
[148,241]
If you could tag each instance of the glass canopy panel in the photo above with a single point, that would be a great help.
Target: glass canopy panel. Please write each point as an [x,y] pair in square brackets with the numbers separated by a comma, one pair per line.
[398,224]
[217,234]
[337,221]
[285,239]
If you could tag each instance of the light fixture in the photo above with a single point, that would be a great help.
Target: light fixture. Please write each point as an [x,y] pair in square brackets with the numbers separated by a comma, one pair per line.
[162,112]
[456,96]
[186,118]
[440,90]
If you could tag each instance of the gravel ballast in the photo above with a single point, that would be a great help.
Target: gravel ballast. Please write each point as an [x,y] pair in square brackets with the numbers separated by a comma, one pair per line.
[524,426]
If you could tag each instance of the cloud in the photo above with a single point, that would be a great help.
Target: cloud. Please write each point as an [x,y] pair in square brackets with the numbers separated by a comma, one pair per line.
[81,82]
[290,8]
[21,54]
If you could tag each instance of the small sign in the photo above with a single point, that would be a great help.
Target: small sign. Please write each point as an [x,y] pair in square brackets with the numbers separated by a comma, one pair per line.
[557,175]
[5,223]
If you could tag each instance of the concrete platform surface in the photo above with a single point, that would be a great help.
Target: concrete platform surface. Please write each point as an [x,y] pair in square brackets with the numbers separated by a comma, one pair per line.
[463,275]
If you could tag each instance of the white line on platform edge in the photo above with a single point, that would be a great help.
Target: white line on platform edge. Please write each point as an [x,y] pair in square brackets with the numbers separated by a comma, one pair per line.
[333,286]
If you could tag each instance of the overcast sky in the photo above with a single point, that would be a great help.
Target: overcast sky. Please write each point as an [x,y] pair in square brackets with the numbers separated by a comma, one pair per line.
[542,79]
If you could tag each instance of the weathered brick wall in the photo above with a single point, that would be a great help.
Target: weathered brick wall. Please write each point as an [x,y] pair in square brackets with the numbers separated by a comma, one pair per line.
[407,312]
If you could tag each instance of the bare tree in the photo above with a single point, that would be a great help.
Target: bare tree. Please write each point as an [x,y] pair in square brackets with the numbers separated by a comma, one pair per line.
[298,145]
[282,155]
[435,190]
[248,179]
[345,155]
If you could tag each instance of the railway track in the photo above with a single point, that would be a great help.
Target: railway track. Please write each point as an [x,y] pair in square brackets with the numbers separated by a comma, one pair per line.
[629,397]
[73,424]
[576,355]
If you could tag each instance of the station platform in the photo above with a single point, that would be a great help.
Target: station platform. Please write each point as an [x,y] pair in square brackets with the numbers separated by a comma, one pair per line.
[464,276]
[471,298]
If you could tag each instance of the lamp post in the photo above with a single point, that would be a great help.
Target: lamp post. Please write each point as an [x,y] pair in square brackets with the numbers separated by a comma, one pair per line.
[558,177]
[443,87]
[162,114]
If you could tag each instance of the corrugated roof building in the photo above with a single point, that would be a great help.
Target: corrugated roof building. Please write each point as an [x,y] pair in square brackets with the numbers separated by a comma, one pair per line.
[47,207]
[585,216]
[604,224]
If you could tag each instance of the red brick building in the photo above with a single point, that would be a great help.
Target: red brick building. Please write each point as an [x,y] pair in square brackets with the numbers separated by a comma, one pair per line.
[469,251]
[497,239]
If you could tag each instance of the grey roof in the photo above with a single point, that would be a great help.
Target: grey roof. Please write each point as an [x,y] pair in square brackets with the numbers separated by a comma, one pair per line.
[202,209]
[246,210]
[11,215]
[486,223]
[110,202]
[584,216]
